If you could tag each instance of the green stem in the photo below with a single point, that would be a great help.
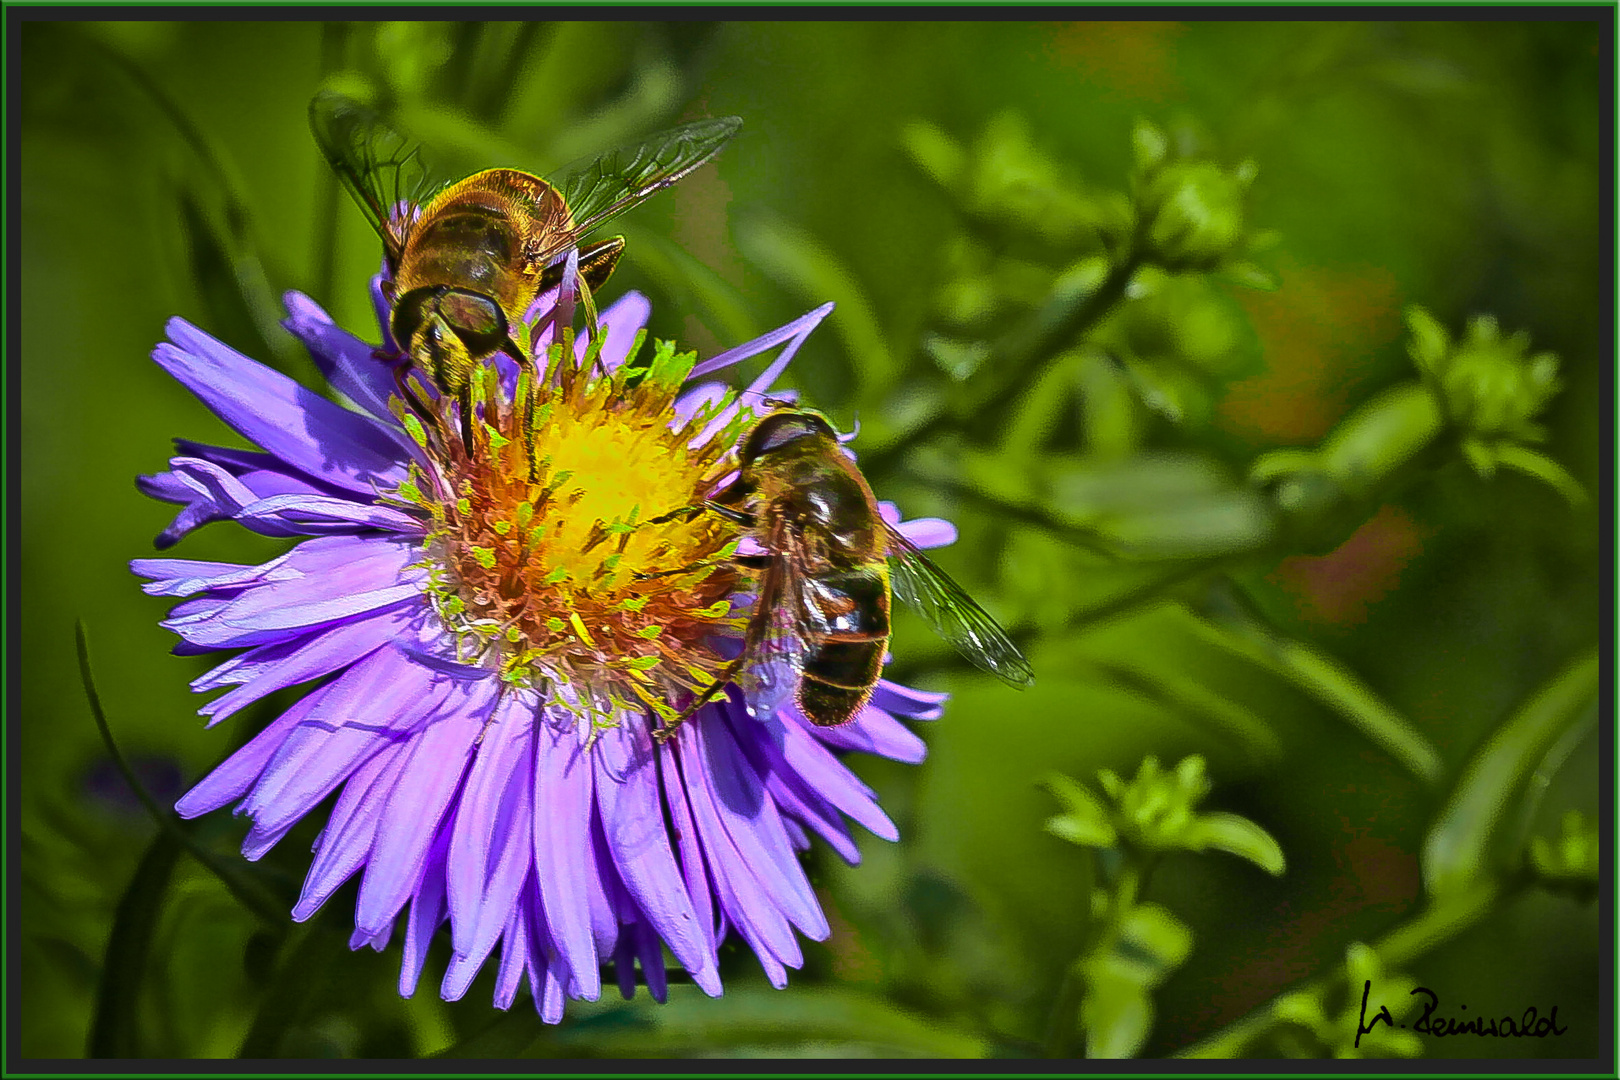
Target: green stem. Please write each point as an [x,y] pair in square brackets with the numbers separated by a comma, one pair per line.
[1062,1021]
[115,1028]
[1064,319]
[253,896]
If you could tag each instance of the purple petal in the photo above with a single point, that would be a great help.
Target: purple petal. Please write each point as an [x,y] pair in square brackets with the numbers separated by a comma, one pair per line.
[624,964]
[385,310]
[228,457]
[427,784]
[492,849]
[516,956]
[371,580]
[276,666]
[622,320]
[742,898]
[349,364]
[793,333]
[651,956]
[271,503]
[928,532]
[561,848]
[234,777]
[752,822]
[815,771]
[346,841]
[912,704]
[692,868]
[376,702]
[427,910]
[297,425]
[693,401]
[182,577]
[873,731]
[633,824]
[801,805]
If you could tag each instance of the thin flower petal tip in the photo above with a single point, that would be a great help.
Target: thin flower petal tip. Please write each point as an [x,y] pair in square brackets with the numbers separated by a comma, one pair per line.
[495,616]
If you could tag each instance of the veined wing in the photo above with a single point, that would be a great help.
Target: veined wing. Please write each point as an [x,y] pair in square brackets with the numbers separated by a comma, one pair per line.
[952,613]
[380,167]
[604,187]
[787,624]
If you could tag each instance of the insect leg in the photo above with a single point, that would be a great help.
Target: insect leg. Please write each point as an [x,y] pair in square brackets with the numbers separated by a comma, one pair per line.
[465,398]
[751,640]
[414,400]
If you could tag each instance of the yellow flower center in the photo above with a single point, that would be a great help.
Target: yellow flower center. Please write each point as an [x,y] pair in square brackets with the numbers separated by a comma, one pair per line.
[558,552]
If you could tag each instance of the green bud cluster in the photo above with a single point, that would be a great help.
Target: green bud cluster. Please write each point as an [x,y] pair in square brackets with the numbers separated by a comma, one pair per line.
[1190,211]
[1313,1029]
[1491,389]
[1155,812]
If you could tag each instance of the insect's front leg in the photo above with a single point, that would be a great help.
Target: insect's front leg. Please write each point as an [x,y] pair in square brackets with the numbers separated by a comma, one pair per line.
[757,627]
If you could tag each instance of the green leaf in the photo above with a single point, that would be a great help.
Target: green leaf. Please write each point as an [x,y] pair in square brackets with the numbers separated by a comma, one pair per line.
[114,1030]
[1154,934]
[1463,844]
[1336,685]
[1149,145]
[1571,863]
[1331,683]
[287,997]
[1250,275]
[753,1021]
[1117,1016]
[1201,707]
[510,1035]
[1237,836]
[1429,343]
[1382,435]
[1086,822]
[938,155]
[1543,468]
[1162,506]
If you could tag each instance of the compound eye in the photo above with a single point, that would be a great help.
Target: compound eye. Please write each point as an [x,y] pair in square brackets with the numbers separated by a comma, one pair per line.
[477,320]
[410,311]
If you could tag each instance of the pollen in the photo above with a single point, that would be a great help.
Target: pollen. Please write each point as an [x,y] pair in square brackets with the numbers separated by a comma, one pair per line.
[567,543]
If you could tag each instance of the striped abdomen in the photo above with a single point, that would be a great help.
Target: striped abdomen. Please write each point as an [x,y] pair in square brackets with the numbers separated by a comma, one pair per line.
[840,672]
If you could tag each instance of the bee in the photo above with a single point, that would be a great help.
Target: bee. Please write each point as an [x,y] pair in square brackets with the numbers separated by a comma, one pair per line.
[465,260]
[828,567]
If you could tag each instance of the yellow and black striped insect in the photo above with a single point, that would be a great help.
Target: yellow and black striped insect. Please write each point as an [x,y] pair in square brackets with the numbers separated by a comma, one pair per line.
[465,260]
[826,572]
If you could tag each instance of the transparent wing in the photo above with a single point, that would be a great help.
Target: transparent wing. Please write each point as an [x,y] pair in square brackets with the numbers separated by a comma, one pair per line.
[952,612]
[380,167]
[787,624]
[604,187]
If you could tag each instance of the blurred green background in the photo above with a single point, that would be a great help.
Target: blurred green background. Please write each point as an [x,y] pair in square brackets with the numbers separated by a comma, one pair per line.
[167,170]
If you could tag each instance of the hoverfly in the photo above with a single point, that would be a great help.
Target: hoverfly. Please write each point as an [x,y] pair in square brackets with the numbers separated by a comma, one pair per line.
[465,260]
[827,570]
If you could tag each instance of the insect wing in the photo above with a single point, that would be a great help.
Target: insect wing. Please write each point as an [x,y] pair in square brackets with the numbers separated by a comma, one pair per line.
[380,167]
[604,187]
[952,613]
[787,623]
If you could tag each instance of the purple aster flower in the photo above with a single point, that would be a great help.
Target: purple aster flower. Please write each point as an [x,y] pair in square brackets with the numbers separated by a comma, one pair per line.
[500,628]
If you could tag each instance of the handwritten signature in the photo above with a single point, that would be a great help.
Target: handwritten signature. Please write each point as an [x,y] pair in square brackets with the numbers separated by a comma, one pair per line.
[1527,1025]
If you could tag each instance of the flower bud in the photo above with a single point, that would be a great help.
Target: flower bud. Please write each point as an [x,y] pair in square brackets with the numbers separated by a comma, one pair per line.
[1489,387]
[1192,214]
